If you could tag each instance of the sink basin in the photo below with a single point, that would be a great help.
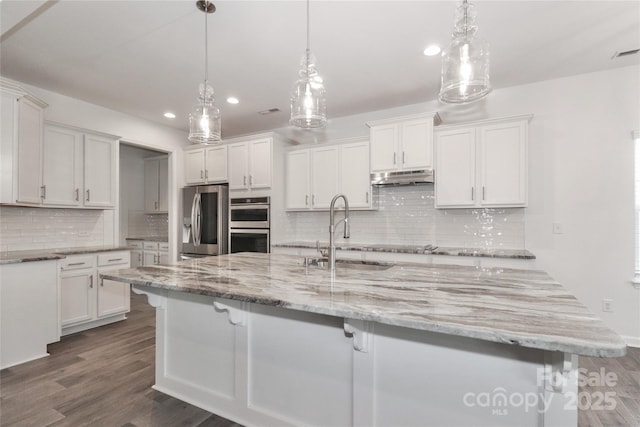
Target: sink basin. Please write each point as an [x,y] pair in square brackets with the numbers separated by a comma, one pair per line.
[348,263]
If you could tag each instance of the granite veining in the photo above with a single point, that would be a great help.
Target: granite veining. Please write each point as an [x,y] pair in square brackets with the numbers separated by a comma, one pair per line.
[519,307]
[416,249]
[48,254]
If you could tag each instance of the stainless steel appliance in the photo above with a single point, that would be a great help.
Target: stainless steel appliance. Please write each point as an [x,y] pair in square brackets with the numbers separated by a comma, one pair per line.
[249,224]
[204,226]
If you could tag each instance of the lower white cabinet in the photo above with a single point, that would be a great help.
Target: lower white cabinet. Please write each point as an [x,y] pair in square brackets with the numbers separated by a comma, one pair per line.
[86,300]
[145,253]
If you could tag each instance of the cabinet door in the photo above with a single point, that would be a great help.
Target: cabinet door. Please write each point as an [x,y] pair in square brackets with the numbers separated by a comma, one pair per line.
[163,185]
[151,174]
[503,164]
[99,171]
[416,137]
[324,176]
[77,296]
[215,170]
[113,297]
[384,146]
[30,124]
[136,258]
[455,168]
[260,163]
[194,167]
[355,179]
[163,257]
[62,166]
[149,258]
[238,166]
[297,179]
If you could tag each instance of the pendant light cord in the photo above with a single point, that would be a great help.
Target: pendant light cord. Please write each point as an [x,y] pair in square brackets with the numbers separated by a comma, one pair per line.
[308,51]
[206,47]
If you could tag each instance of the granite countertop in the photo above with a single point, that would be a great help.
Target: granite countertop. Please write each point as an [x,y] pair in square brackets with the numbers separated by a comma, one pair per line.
[14,257]
[520,307]
[415,249]
[161,239]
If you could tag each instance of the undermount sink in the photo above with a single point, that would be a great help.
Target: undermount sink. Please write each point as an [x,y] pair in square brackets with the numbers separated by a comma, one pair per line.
[347,263]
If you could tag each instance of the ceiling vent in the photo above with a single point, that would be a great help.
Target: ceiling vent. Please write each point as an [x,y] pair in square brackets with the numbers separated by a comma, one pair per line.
[625,53]
[269,111]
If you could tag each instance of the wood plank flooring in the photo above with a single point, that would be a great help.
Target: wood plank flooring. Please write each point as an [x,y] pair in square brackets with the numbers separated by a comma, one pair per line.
[103,377]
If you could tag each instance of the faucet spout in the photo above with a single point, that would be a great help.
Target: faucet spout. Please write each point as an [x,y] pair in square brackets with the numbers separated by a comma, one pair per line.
[333,225]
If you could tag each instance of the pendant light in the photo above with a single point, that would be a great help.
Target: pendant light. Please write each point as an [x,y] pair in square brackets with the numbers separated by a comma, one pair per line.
[465,63]
[308,102]
[204,120]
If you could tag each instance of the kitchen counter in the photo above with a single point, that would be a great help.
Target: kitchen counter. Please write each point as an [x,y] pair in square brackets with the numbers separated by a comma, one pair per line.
[161,239]
[13,257]
[415,249]
[521,307]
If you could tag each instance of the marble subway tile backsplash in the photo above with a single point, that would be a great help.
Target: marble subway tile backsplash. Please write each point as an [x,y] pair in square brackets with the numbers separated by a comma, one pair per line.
[143,225]
[23,228]
[407,216]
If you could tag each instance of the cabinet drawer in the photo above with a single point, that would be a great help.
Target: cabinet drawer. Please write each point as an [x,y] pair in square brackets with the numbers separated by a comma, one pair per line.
[163,246]
[114,258]
[150,246]
[136,244]
[77,262]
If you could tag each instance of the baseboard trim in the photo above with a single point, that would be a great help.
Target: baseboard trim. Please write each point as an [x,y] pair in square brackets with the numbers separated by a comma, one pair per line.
[631,341]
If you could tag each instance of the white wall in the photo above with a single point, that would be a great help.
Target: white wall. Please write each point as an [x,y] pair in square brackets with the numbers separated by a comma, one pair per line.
[133,130]
[581,175]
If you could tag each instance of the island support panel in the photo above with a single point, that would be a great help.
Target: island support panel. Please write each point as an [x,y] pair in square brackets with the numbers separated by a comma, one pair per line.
[265,365]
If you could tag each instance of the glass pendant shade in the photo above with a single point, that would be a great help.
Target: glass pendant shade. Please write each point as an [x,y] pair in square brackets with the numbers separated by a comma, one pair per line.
[204,120]
[308,100]
[465,63]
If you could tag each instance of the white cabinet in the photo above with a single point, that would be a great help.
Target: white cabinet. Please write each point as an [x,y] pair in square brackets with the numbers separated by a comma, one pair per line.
[404,143]
[62,166]
[155,253]
[99,171]
[313,176]
[250,164]
[482,164]
[87,300]
[156,184]
[206,165]
[21,127]
[136,253]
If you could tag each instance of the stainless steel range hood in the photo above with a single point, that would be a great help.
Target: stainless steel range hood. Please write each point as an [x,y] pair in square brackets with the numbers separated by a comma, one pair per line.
[420,176]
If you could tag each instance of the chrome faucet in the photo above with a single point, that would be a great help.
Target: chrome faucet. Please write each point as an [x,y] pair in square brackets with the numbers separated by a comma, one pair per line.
[332,228]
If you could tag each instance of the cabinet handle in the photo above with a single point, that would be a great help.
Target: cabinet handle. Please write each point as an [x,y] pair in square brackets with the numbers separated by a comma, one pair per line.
[483,192]
[102,282]
[367,197]
[394,158]
[91,281]
[155,205]
[313,200]
[77,194]
[472,194]
[244,180]
[206,174]
[201,174]
[75,263]
[140,258]
[88,195]
[250,179]
[403,158]
[115,259]
[43,192]
[306,200]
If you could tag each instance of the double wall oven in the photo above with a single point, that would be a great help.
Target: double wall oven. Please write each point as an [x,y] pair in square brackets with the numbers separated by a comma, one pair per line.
[249,224]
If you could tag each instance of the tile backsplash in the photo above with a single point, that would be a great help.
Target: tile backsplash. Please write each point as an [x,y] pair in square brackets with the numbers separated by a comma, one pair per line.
[23,228]
[146,225]
[406,215]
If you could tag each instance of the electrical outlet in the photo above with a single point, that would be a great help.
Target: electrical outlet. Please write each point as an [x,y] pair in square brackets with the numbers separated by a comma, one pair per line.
[83,234]
[607,305]
[557,228]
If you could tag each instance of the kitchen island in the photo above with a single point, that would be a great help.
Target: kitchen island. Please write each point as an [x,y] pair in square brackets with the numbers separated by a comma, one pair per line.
[263,339]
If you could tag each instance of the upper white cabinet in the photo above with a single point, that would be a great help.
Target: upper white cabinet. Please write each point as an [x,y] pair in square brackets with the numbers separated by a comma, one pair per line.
[156,184]
[313,176]
[403,143]
[250,164]
[21,145]
[78,168]
[482,164]
[206,165]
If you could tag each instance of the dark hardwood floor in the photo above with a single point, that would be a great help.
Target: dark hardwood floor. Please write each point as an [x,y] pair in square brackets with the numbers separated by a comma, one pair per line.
[103,377]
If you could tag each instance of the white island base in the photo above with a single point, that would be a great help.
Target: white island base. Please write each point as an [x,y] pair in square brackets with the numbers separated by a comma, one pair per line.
[264,365]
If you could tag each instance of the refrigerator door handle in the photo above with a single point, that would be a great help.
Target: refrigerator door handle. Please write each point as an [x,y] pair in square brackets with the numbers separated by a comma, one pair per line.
[194,225]
[199,219]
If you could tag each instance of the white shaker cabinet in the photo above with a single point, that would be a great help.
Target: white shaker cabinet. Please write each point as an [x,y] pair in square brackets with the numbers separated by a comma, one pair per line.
[250,164]
[403,143]
[482,164]
[87,300]
[99,171]
[206,165]
[355,176]
[324,176]
[155,253]
[21,127]
[156,184]
[62,169]
[297,176]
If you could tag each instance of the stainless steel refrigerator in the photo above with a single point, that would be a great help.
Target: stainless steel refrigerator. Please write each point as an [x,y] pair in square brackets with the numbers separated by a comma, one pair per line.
[205,224]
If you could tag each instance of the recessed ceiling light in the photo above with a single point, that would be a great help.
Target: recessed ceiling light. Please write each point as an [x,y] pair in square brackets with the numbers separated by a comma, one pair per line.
[170,115]
[232,100]
[432,50]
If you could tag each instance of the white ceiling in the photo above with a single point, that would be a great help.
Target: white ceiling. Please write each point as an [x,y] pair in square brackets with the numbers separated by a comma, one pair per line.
[147,57]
